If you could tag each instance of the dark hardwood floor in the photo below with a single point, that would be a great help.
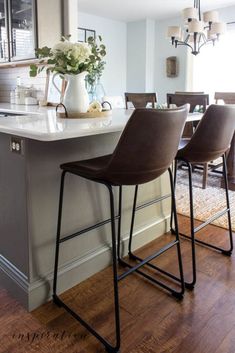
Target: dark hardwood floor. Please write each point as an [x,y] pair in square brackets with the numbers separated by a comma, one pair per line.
[152,321]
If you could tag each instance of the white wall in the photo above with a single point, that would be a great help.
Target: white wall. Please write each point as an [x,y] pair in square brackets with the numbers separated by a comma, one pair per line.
[147,50]
[137,53]
[136,56]
[140,56]
[204,66]
[164,49]
[227,14]
[70,18]
[114,35]
[150,55]
[145,71]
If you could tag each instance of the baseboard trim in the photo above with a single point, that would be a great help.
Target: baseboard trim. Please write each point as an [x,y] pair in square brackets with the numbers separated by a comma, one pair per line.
[38,292]
[14,273]
[15,281]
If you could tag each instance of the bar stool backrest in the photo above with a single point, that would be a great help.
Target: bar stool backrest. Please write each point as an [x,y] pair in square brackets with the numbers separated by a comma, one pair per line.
[193,99]
[147,146]
[213,135]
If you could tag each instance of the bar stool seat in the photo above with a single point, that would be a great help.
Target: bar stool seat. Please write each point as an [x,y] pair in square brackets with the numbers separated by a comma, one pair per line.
[98,169]
[141,155]
[90,168]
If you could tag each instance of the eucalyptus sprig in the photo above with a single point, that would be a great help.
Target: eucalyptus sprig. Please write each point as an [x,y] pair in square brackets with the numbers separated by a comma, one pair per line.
[97,63]
[44,52]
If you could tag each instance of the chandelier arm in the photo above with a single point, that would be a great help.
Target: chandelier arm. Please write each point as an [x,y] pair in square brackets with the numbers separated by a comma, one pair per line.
[211,41]
[179,42]
[187,38]
[203,44]
[204,40]
[204,37]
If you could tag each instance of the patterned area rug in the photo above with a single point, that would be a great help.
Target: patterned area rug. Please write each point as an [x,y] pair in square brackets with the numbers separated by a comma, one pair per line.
[206,201]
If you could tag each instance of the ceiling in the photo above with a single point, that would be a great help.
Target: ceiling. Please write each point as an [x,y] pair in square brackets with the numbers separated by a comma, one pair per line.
[132,10]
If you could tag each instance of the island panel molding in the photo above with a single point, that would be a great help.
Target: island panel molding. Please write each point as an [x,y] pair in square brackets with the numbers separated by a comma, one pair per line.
[33,294]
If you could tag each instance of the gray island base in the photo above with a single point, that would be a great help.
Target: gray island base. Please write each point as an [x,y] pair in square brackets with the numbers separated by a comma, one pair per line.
[30,185]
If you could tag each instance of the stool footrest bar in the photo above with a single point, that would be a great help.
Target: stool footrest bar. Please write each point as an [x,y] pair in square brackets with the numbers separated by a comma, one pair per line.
[152,202]
[206,244]
[149,258]
[102,223]
[88,229]
[178,295]
[211,219]
[168,274]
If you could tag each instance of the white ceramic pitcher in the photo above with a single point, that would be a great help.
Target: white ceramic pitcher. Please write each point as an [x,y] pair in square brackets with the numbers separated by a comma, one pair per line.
[76,99]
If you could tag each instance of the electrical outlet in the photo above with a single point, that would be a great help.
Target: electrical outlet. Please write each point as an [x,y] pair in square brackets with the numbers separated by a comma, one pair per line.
[16,145]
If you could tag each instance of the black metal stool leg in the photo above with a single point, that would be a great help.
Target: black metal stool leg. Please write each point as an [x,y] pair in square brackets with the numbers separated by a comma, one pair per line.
[175,172]
[115,273]
[109,348]
[190,285]
[174,213]
[58,237]
[225,175]
[132,220]
[119,222]
[177,294]
[201,226]
[175,164]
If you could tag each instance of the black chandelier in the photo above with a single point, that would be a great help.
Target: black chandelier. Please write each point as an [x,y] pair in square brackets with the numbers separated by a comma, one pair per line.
[197,32]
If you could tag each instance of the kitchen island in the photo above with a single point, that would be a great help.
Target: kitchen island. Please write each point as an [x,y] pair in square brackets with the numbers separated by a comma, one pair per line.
[29,188]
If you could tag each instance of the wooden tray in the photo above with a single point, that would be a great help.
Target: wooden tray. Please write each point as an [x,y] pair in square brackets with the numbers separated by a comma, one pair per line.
[103,114]
[65,115]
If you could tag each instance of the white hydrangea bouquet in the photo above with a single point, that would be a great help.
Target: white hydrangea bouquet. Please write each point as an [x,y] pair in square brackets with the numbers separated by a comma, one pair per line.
[73,62]
[70,58]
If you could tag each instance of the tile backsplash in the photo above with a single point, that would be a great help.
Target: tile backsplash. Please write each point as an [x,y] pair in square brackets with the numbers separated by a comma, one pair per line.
[8,78]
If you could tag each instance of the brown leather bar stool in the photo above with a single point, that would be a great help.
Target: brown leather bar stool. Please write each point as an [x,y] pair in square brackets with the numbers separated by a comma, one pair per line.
[140,156]
[210,141]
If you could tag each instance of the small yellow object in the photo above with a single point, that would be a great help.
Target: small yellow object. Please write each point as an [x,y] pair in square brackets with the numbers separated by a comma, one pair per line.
[42,103]
[95,106]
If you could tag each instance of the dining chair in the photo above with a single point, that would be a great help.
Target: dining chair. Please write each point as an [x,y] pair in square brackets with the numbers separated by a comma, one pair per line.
[194,100]
[226,97]
[141,155]
[210,141]
[140,100]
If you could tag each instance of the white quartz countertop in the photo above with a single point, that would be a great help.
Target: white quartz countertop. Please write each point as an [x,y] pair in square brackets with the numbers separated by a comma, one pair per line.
[41,123]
